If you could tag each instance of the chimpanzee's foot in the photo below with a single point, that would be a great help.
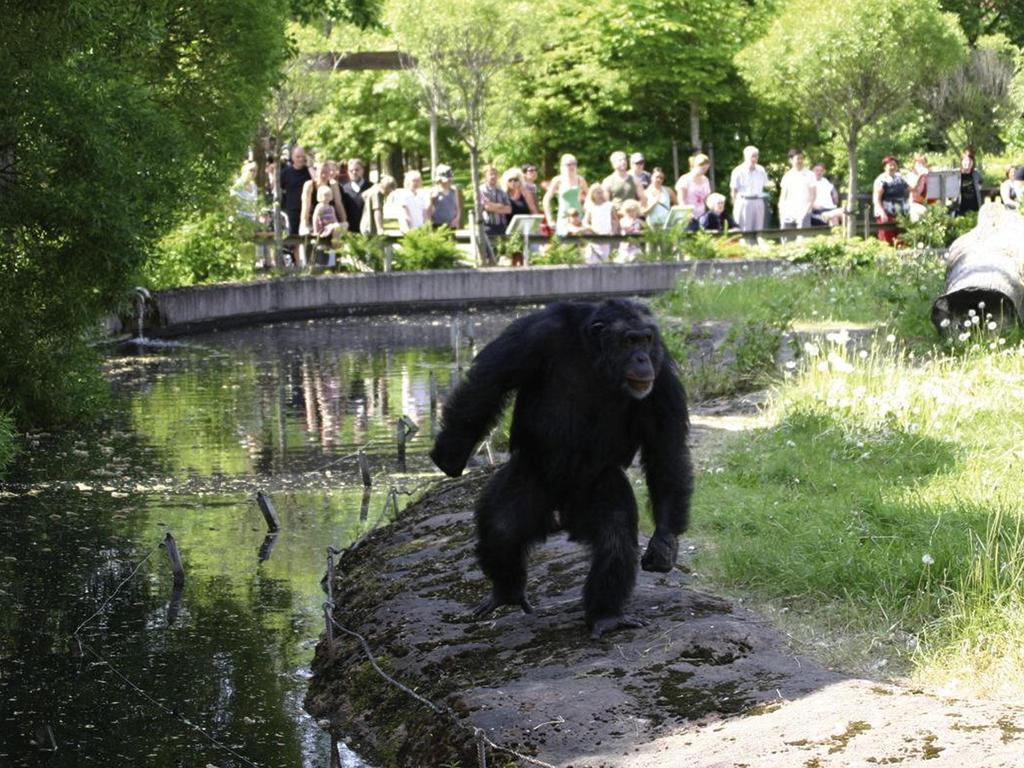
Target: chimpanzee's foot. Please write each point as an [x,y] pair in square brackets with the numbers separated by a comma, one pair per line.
[605,624]
[493,601]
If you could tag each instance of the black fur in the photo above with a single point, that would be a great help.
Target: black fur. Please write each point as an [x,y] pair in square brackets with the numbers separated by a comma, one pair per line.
[594,384]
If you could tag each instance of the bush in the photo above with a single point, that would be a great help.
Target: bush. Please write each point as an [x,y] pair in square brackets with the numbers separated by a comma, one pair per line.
[8,447]
[936,228]
[367,250]
[838,253]
[559,252]
[211,247]
[426,248]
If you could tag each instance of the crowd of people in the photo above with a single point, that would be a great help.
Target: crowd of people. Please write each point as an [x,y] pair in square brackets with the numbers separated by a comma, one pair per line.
[338,197]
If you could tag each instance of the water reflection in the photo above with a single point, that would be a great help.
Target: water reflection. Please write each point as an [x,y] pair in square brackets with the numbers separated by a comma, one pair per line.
[196,431]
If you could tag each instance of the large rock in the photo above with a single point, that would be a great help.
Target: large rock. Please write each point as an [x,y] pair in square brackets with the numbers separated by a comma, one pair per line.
[704,685]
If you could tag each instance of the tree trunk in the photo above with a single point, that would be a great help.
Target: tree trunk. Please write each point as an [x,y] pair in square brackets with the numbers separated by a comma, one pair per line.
[695,141]
[433,141]
[476,218]
[851,194]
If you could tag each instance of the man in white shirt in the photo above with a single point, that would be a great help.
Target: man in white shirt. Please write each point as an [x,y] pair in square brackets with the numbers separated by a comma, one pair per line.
[825,210]
[796,194]
[746,184]
[409,205]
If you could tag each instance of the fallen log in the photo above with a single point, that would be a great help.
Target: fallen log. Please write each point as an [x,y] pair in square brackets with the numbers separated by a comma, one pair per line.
[984,268]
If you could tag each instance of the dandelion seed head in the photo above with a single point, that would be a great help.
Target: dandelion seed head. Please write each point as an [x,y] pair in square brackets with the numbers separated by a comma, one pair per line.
[981,305]
[822,366]
[927,559]
[891,338]
[790,365]
[975,320]
[964,336]
[863,354]
[971,313]
[967,323]
[944,323]
[992,325]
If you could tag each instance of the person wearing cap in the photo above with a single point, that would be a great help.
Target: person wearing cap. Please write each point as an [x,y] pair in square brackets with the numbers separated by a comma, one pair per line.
[693,188]
[636,167]
[620,184]
[445,199]
[889,196]
[746,185]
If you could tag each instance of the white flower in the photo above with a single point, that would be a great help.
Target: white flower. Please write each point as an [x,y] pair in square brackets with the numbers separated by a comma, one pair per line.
[1002,340]
[891,338]
[975,320]
[863,354]
[981,305]
[839,337]
[971,313]
[964,336]
[927,559]
[790,444]
[992,325]
[944,323]
[967,323]
[790,364]
[810,348]
[822,366]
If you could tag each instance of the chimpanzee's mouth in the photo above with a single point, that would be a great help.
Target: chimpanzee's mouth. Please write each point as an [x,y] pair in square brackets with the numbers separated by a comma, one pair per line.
[639,388]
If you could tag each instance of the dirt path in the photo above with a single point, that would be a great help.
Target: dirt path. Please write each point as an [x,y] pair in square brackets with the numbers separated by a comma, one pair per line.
[705,683]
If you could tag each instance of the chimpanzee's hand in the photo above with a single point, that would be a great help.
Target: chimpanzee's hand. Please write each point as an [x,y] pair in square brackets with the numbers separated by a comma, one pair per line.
[449,455]
[661,553]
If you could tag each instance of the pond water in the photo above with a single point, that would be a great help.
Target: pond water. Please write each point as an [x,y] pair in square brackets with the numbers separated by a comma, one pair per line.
[216,677]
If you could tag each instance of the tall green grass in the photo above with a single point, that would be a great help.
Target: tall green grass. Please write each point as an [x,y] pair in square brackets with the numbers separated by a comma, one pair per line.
[884,499]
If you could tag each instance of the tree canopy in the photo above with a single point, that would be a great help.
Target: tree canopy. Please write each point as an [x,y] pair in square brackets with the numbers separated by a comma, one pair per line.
[115,116]
[848,63]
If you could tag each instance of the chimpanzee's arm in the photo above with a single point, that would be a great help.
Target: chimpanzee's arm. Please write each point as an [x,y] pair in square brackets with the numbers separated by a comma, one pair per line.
[666,462]
[502,366]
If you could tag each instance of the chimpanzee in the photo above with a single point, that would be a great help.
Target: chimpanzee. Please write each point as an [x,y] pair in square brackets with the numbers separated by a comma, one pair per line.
[594,383]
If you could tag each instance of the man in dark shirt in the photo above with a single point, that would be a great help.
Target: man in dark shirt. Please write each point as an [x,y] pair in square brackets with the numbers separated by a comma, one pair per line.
[352,192]
[293,177]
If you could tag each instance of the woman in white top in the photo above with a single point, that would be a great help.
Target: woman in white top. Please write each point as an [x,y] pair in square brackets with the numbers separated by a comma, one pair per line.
[693,188]
[658,199]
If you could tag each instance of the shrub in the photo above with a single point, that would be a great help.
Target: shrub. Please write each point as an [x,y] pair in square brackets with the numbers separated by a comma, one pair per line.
[8,447]
[936,228]
[838,253]
[211,247]
[559,252]
[426,248]
[366,250]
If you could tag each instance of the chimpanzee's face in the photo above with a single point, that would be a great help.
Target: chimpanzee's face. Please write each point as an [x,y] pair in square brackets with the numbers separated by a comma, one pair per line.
[630,353]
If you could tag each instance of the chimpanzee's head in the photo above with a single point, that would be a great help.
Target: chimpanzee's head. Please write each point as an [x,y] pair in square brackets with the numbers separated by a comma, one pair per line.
[628,352]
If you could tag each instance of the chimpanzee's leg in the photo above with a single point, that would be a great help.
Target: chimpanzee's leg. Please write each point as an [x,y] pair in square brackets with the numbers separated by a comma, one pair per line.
[513,513]
[608,522]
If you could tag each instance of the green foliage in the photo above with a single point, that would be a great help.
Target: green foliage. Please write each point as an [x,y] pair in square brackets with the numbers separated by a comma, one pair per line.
[936,228]
[838,253]
[819,55]
[367,250]
[562,252]
[115,118]
[426,248]
[208,248]
[8,446]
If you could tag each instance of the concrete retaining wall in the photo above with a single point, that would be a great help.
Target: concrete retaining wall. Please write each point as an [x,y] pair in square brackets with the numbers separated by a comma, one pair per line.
[185,310]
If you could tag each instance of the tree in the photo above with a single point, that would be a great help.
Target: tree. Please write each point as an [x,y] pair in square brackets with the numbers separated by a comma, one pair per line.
[116,115]
[459,58]
[850,62]
[969,102]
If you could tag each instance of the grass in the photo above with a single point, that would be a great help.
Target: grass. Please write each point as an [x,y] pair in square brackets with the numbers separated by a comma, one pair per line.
[882,504]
